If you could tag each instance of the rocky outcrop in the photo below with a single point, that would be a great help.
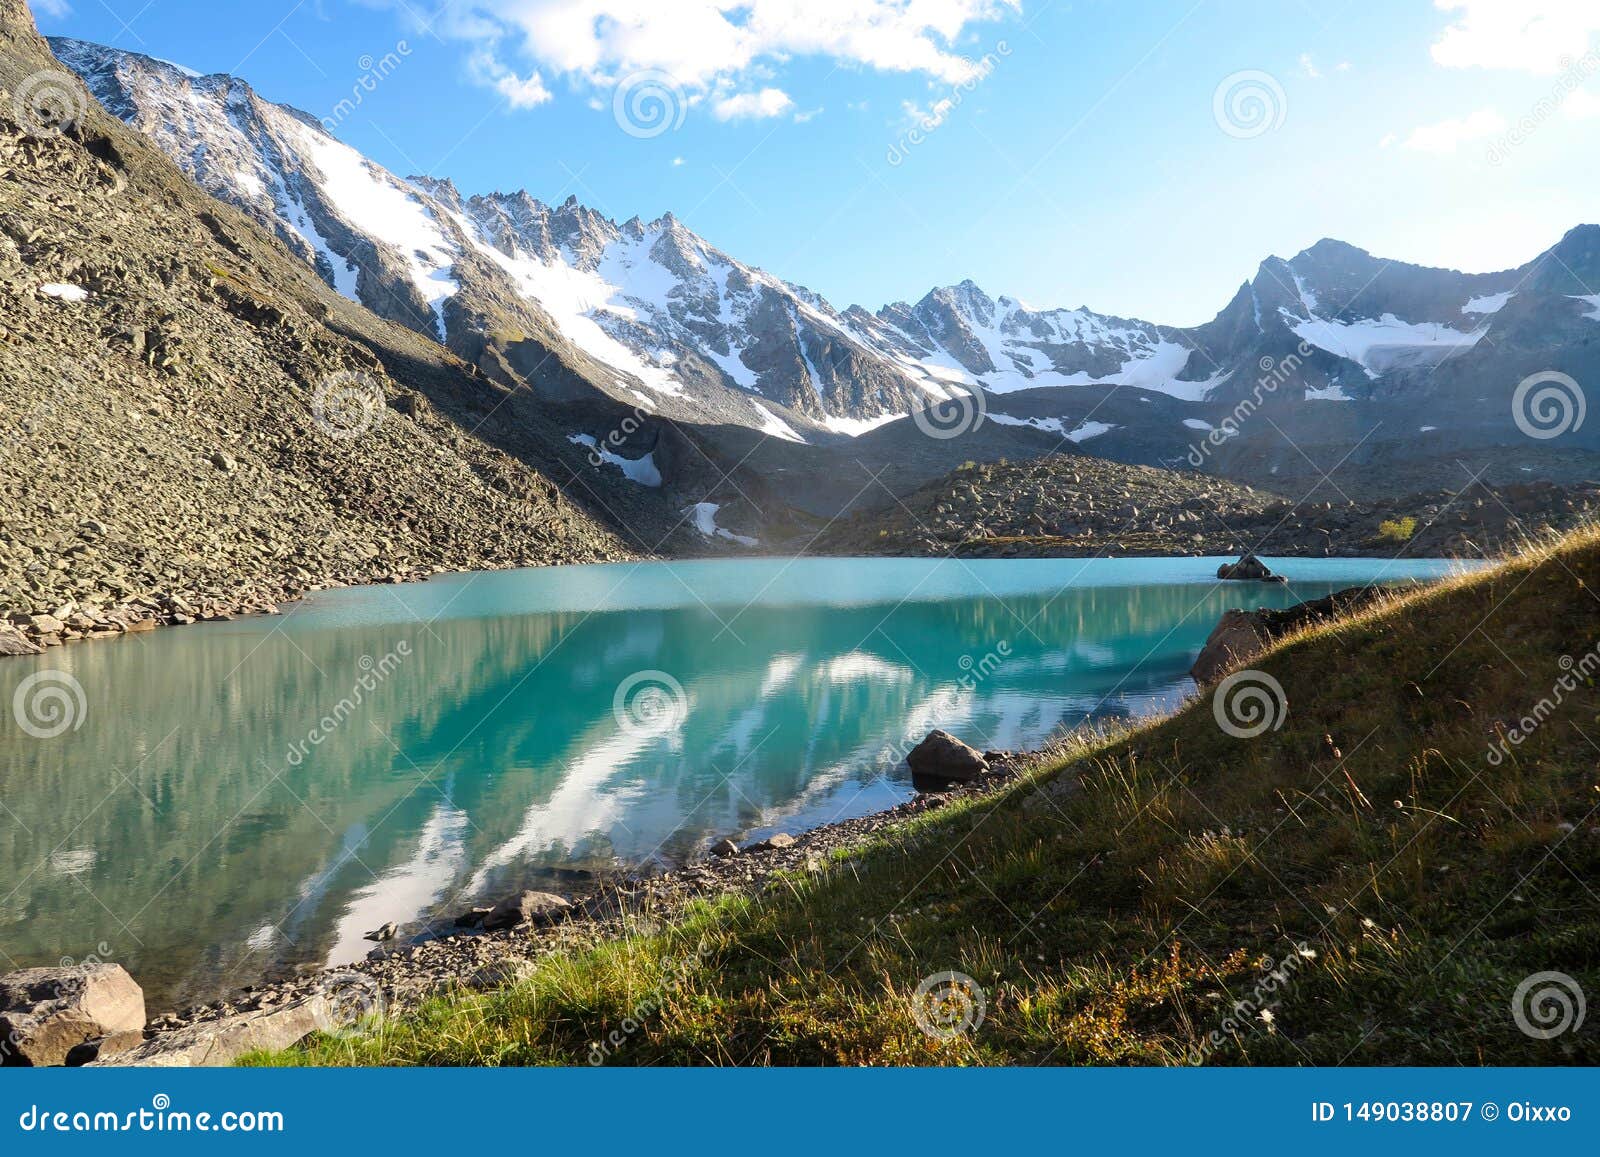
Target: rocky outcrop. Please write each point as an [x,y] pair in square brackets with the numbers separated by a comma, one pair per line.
[1242,635]
[1249,568]
[941,760]
[1074,505]
[221,1042]
[197,426]
[59,1016]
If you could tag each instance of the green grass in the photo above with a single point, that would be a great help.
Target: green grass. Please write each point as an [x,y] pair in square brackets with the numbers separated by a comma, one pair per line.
[1115,906]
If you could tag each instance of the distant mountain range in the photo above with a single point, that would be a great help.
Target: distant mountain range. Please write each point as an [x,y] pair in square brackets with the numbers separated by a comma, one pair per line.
[1332,352]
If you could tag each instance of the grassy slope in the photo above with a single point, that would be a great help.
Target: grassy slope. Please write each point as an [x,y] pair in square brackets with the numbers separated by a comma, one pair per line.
[1116,905]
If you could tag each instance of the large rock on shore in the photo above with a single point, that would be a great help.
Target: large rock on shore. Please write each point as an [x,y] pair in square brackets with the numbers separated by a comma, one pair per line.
[48,1015]
[528,908]
[941,759]
[1240,636]
[223,1041]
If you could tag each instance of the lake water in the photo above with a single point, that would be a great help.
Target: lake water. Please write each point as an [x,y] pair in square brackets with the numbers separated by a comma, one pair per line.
[206,804]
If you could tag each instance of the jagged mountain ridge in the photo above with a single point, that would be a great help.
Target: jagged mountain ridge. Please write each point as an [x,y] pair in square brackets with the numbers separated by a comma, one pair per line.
[1392,358]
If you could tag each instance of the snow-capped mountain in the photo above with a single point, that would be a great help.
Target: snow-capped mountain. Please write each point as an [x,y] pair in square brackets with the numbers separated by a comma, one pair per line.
[663,319]
[1341,349]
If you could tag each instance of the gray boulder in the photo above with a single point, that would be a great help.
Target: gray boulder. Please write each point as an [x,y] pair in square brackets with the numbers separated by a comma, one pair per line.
[47,1013]
[528,908]
[223,1041]
[1249,568]
[941,760]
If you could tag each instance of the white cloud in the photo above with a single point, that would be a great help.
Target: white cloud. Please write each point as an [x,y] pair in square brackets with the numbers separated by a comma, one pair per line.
[1447,136]
[55,9]
[769,102]
[1582,105]
[1540,36]
[1388,139]
[519,91]
[678,162]
[1309,66]
[706,46]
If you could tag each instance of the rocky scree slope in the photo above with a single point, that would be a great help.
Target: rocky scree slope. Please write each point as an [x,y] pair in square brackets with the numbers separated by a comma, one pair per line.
[160,367]
[1076,505]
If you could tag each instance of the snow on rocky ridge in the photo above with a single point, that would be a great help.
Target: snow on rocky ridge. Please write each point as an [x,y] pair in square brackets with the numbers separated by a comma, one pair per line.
[662,320]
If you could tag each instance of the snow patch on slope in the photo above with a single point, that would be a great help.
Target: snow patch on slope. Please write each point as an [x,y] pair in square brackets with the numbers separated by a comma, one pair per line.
[644,470]
[1488,303]
[705,521]
[1379,345]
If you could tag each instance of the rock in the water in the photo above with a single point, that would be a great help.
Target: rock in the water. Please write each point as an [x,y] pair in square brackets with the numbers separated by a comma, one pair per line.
[46,1013]
[14,642]
[528,908]
[941,759]
[1249,568]
[724,848]
[776,842]
[223,1041]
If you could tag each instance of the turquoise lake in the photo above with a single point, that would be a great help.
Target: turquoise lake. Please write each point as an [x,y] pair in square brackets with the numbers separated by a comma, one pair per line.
[210,803]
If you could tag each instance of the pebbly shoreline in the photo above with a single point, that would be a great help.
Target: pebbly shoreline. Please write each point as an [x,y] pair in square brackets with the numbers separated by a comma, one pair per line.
[426,961]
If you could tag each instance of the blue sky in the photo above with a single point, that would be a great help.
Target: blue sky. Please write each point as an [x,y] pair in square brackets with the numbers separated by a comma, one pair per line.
[1094,159]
